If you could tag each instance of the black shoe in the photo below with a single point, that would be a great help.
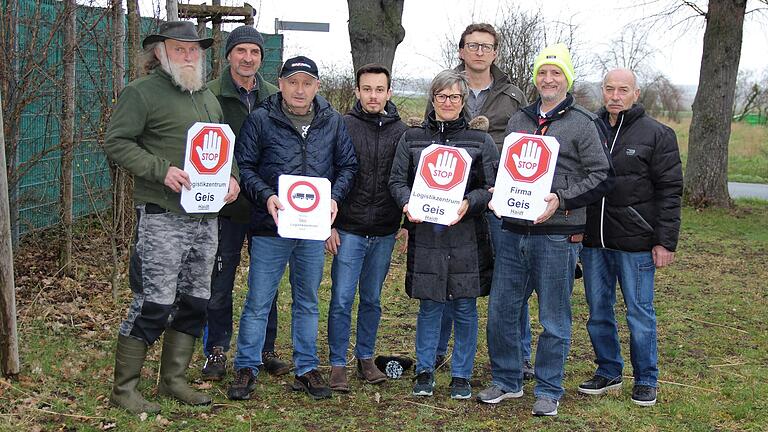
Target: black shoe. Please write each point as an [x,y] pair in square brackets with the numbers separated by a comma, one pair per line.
[215,368]
[425,384]
[243,385]
[313,384]
[599,385]
[460,388]
[644,395]
[528,371]
[272,363]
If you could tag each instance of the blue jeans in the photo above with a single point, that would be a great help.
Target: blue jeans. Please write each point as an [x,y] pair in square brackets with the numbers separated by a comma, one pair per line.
[362,260]
[269,255]
[634,271]
[218,327]
[446,325]
[524,264]
[428,333]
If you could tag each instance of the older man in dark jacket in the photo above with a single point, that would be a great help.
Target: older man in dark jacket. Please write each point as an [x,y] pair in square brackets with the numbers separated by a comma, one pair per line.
[630,233]
[293,132]
[239,89]
[364,232]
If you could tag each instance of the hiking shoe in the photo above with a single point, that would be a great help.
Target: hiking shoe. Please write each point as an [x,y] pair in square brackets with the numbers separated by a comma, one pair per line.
[527,371]
[460,388]
[313,384]
[599,385]
[644,395]
[440,360]
[242,385]
[215,368]
[272,363]
[425,383]
[545,407]
[494,394]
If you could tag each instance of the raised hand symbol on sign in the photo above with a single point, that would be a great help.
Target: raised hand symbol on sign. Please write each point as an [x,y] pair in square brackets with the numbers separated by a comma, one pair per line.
[528,160]
[442,173]
[209,152]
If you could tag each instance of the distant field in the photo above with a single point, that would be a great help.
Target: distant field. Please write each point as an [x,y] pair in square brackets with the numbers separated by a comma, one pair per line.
[747,153]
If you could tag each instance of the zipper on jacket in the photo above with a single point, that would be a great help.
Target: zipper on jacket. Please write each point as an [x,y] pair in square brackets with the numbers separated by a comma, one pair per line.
[375,170]
[602,201]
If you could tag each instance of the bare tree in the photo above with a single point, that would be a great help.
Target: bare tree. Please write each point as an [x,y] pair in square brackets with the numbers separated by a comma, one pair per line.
[338,87]
[660,97]
[67,133]
[375,31]
[706,179]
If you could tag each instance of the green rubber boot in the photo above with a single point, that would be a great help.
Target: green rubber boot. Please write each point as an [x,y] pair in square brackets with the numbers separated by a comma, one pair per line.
[177,352]
[129,359]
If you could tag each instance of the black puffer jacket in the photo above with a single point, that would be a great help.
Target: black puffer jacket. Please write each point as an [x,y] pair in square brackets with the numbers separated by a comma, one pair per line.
[643,210]
[268,146]
[448,262]
[369,208]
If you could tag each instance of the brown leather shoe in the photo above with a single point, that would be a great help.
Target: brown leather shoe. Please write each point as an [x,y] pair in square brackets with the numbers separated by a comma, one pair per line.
[338,380]
[368,371]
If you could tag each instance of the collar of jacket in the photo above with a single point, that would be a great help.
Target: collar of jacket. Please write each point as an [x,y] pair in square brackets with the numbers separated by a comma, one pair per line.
[320,105]
[500,81]
[559,111]
[389,115]
[633,113]
[228,88]
[444,127]
[164,75]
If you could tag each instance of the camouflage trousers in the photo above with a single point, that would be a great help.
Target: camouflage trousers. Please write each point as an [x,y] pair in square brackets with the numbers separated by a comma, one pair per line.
[170,273]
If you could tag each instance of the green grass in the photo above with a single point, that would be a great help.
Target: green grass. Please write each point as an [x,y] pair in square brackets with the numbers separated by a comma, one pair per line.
[747,152]
[713,353]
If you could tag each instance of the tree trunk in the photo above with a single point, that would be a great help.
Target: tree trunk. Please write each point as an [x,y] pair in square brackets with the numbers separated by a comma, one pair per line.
[67,135]
[706,175]
[118,80]
[134,33]
[9,342]
[375,31]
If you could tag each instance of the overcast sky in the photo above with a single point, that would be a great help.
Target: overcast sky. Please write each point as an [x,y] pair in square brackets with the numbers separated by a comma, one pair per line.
[428,22]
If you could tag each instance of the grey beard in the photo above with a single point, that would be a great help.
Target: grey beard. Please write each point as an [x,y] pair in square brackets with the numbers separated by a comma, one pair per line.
[187,80]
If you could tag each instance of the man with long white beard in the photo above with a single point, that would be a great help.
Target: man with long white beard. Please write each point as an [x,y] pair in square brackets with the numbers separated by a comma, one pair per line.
[173,252]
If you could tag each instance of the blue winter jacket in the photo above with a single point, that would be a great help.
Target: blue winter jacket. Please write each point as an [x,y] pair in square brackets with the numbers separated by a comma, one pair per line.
[269,146]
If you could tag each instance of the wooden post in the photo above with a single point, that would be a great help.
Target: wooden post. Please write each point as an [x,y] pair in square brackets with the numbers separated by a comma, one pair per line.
[9,341]
[216,50]
[67,137]
[172,10]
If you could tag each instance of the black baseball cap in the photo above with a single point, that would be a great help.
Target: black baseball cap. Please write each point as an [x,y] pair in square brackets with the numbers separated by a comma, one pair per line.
[299,64]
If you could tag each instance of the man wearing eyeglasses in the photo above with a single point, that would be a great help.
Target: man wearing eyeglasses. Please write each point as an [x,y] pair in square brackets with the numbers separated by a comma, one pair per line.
[493,96]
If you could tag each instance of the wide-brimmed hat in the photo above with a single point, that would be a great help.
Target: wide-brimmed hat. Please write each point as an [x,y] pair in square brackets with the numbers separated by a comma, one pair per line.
[183,31]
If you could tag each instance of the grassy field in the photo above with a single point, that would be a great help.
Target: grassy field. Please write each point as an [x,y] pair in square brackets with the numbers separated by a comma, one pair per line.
[747,153]
[713,353]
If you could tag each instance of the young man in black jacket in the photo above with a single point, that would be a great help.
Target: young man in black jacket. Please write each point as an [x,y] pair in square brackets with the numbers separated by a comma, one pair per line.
[630,233]
[363,234]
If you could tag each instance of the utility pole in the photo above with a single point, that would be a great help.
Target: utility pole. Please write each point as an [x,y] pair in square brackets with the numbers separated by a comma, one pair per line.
[172,10]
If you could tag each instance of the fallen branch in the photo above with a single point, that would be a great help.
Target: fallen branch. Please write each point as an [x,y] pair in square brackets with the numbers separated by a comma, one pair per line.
[83,417]
[728,364]
[681,385]
[716,324]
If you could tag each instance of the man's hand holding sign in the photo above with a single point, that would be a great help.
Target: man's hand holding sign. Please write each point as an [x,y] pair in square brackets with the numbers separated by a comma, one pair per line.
[524,179]
[206,184]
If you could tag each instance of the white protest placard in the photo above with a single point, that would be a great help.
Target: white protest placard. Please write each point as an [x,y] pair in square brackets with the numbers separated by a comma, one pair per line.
[438,188]
[306,210]
[525,175]
[208,161]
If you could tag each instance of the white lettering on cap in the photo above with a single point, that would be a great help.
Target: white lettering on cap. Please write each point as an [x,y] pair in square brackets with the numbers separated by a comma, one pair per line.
[300,64]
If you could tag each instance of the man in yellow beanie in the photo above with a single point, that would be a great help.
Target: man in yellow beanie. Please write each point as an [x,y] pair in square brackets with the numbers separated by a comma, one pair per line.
[541,255]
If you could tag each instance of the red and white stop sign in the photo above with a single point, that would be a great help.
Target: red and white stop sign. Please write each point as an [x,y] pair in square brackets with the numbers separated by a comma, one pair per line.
[528,159]
[209,151]
[444,168]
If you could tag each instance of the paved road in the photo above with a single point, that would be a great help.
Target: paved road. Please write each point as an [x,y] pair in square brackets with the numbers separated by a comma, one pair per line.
[748,190]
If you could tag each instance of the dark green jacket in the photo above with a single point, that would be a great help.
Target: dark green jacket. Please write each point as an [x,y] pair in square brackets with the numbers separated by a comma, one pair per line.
[148,131]
[235,113]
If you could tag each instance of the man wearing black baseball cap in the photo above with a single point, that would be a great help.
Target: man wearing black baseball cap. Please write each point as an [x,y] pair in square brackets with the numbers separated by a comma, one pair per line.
[293,132]
[239,89]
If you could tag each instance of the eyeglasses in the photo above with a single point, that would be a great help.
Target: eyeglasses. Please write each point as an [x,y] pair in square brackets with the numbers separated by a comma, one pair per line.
[474,46]
[454,98]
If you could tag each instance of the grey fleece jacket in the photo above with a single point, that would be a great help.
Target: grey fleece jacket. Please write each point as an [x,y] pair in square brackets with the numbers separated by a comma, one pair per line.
[582,173]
